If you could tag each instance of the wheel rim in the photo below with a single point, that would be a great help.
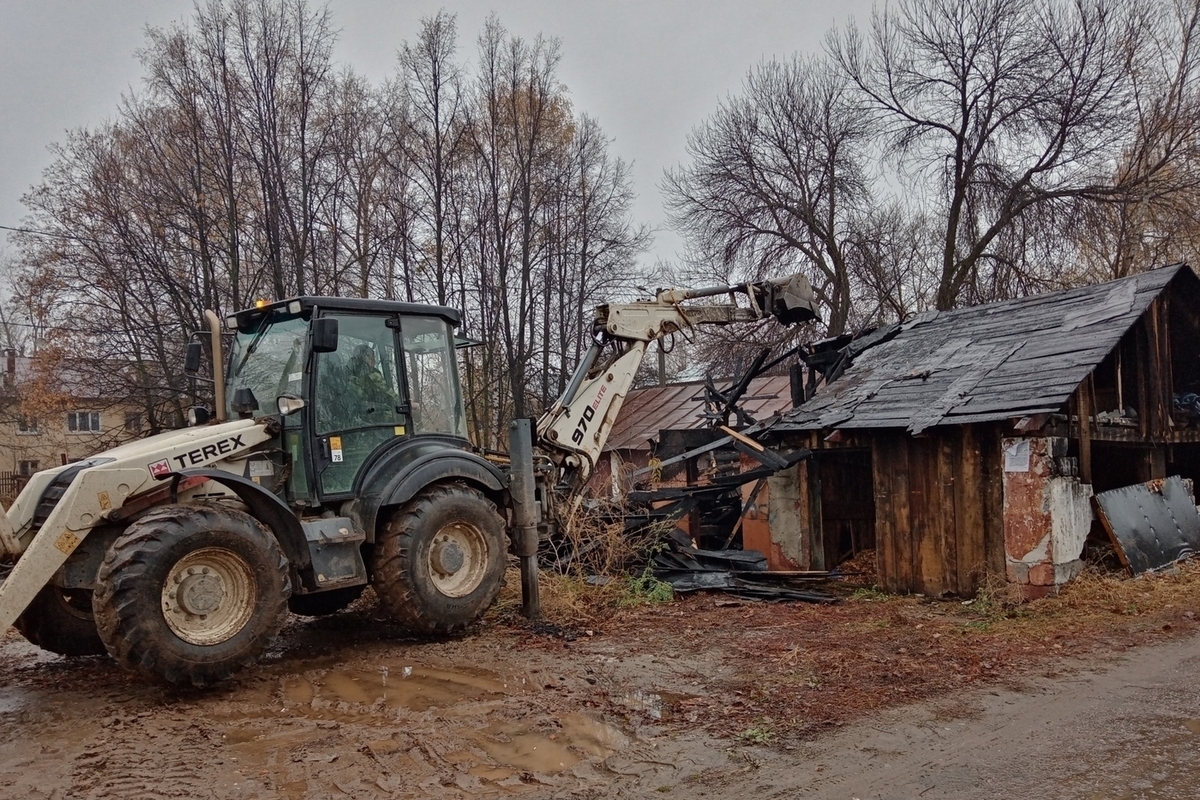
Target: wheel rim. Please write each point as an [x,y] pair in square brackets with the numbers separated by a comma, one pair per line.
[209,596]
[457,559]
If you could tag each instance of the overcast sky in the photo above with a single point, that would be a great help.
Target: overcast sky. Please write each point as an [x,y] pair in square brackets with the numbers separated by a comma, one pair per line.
[648,71]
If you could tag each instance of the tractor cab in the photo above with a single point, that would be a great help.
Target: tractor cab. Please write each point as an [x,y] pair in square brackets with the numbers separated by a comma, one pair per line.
[350,380]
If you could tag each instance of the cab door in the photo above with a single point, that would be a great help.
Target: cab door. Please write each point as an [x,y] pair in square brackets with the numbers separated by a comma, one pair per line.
[359,400]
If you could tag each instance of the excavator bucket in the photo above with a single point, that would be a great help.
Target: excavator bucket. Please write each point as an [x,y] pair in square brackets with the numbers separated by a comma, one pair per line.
[790,300]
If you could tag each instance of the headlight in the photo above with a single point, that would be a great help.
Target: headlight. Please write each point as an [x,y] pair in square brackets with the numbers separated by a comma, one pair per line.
[198,415]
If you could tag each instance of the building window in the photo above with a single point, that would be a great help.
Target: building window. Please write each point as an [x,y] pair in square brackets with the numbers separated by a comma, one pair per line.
[83,422]
[27,426]
[133,421]
[27,467]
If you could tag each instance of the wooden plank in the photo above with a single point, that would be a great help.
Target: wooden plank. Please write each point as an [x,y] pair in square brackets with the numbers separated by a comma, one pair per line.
[746,440]
[922,508]
[969,501]
[1118,433]
[816,522]
[992,463]
[1085,405]
[948,462]
[1141,363]
[1168,361]
[901,506]
[883,471]
[1158,392]
[805,477]
[1164,392]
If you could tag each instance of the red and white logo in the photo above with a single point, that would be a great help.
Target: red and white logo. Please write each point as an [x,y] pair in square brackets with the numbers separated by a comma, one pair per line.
[160,469]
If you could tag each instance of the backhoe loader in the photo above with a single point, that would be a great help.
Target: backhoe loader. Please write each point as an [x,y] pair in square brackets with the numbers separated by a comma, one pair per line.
[336,456]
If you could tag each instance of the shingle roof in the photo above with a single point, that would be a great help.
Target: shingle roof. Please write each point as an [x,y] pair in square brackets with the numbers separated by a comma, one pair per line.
[645,412]
[984,363]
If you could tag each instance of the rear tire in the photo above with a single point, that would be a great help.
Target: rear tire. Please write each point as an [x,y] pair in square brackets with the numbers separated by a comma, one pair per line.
[61,621]
[324,603]
[439,562]
[189,594]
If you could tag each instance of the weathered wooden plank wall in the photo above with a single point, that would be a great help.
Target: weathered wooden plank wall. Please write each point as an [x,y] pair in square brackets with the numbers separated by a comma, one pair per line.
[934,497]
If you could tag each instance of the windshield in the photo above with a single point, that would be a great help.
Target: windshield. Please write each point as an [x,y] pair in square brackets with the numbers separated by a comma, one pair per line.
[269,360]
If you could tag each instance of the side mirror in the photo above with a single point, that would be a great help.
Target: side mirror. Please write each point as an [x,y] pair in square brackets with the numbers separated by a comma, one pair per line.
[288,404]
[324,335]
[192,357]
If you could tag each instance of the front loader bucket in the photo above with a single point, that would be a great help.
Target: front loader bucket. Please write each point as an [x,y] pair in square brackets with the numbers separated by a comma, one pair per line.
[37,565]
[9,546]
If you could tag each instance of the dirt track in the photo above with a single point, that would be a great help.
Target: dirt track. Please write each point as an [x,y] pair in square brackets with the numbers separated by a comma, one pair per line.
[346,707]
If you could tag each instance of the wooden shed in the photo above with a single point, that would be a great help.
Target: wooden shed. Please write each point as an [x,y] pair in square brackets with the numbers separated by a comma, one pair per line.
[976,437]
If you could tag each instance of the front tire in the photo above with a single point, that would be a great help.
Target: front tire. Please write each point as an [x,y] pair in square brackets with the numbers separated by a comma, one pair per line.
[439,563]
[61,621]
[189,594]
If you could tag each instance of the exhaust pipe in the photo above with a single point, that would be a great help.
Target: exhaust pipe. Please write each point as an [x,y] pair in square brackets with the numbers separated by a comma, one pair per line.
[218,361]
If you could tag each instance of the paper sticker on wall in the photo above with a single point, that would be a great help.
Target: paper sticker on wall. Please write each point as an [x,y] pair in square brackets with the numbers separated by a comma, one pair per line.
[1016,456]
[335,449]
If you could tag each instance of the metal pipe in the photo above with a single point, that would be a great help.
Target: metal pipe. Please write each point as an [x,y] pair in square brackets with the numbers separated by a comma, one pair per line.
[522,488]
[679,295]
[218,359]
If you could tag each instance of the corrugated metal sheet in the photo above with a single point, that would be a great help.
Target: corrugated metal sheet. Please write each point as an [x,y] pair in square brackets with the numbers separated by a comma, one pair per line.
[678,407]
[988,362]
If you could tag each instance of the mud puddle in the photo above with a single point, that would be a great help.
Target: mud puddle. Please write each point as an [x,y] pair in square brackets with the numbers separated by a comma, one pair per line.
[472,729]
[657,706]
[405,686]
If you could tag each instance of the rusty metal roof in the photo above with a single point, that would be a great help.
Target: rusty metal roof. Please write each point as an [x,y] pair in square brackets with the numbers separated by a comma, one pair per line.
[678,406]
[984,363]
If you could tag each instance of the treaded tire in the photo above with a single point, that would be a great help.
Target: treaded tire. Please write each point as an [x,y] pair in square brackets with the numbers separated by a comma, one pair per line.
[61,621]
[324,603]
[405,580]
[130,603]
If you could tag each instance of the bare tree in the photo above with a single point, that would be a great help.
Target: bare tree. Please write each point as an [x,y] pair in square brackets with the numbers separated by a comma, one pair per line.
[1004,109]
[432,82]
[251,166]
[778,179]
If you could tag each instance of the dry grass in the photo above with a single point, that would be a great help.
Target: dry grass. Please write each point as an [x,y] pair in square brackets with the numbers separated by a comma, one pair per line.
[572,602]
[807,667]
[1097,599]
[601,569]
[566,600]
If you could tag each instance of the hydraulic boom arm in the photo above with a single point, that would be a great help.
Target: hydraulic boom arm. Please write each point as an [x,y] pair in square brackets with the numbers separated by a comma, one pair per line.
[573,431]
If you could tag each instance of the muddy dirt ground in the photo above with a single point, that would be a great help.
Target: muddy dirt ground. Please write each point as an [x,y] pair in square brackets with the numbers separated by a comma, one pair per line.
[1089,695]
